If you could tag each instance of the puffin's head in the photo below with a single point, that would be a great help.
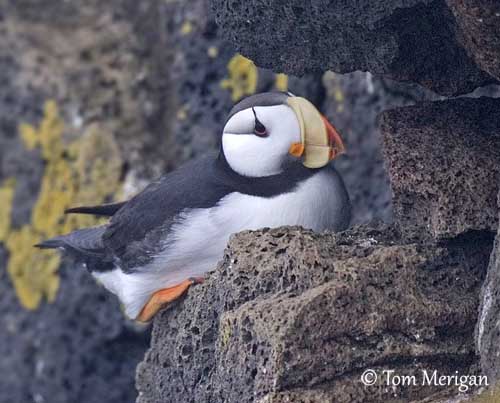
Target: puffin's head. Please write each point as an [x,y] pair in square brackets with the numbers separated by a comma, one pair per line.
[265,132]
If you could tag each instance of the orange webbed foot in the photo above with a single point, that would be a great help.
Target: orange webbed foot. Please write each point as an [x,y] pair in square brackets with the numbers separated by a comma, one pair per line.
[163,297]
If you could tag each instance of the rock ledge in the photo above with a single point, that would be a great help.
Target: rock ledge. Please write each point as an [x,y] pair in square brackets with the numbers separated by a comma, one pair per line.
[290,315]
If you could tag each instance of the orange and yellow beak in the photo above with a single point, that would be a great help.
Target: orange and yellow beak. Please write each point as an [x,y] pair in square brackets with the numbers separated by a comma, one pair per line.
[320,142]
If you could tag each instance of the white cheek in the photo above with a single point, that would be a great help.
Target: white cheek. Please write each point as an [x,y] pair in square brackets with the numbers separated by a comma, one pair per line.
[250,155]
[255,156]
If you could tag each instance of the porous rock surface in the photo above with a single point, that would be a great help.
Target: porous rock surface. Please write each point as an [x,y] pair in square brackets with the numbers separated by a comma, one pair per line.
[352,103]
[488,325]
[294,316]
[409,40]
[443,160]
[479,31]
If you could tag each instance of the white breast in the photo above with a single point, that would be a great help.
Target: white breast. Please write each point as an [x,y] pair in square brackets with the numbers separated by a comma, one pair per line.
[197,242]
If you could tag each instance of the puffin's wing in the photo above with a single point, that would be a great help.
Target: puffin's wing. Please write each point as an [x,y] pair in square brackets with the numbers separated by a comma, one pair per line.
[103,210]
[138,231]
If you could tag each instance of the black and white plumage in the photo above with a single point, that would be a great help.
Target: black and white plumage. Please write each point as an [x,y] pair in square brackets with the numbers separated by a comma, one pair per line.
[178,226]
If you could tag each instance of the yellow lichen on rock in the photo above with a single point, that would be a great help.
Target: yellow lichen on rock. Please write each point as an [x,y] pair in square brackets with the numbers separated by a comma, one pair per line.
[213,52]
[97,169]
[34,273]
[56,195]
[489,395]
[87,171]
[48,135]
[186,28]
[281,82]
[243,76]
[334,89]
[182,113]
[225,332]
[6,199]
[29,135]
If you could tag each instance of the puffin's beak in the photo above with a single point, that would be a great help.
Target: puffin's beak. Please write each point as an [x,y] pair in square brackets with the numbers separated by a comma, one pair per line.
[320,141]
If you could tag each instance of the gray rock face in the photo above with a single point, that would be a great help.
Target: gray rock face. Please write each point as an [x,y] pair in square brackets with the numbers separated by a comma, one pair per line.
[488,326]
[98,63]
[289,313]
[443,159]
[409,40]
[79,79]
[352,103]
[479,23]
[77,349]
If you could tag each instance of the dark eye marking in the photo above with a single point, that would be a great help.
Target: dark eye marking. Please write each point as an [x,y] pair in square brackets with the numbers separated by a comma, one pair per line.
[259,128]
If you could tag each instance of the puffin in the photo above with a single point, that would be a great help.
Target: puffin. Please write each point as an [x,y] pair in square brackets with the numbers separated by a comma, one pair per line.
[272,169]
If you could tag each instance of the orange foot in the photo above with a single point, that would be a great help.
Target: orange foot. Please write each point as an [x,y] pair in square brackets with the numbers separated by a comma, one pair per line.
[162,297]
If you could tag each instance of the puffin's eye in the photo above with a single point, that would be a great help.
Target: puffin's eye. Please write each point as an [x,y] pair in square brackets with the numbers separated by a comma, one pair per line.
[259,128]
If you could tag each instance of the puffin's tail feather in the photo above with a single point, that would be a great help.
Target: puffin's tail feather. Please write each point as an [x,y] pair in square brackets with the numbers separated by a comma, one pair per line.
[107,210]
[53,243]
[84,243]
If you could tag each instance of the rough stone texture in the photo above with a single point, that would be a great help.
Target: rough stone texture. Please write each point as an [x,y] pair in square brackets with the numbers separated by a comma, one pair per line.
[77,349]
[409,40]
[479,23]
[488,326]
[103,64]
[443,160]
[488,395]
[352,103]
[293,313]
[92,60]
